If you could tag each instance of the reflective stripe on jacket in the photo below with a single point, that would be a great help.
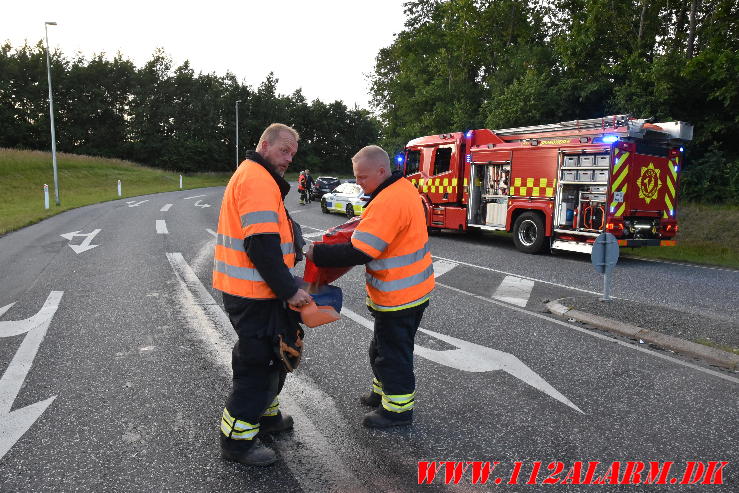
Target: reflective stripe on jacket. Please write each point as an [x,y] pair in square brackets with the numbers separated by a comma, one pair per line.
[393,232]
[252,205]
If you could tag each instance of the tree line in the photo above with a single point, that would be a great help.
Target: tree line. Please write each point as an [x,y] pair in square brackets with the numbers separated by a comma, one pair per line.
[164,116]
[456,65]
[464,64]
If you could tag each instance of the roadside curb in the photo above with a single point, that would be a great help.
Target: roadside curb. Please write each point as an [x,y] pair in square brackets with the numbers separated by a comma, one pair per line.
[711,355]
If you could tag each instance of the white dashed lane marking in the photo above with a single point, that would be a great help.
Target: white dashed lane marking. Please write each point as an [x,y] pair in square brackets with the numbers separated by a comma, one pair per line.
[165,208]
[514,290]
[162,227]
[441,267]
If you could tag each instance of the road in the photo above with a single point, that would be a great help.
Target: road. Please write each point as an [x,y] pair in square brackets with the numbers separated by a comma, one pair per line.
[115,354]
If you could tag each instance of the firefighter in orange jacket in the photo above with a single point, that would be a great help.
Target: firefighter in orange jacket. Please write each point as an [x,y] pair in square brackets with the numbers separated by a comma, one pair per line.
[254,258]
[392,241]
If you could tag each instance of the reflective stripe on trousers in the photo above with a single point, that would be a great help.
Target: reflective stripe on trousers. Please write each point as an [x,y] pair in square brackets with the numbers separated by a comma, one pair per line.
[273,409]
[237,429]
[399,403]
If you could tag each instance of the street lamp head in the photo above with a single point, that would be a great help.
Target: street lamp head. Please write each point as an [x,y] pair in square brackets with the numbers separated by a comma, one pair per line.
[50,23]
[238,100]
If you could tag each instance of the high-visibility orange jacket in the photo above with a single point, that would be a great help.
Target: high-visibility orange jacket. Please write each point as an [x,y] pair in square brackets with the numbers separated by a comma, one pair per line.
[393,232]
[252,205]
[301,182]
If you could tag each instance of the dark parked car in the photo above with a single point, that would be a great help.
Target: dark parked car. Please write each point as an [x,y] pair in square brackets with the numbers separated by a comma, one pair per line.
[324,185]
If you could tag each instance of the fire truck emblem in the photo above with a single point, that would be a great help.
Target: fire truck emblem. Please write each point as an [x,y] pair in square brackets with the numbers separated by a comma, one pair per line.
[649,183]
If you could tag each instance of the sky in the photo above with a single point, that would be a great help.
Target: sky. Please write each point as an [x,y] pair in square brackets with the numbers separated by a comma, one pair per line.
[325,47]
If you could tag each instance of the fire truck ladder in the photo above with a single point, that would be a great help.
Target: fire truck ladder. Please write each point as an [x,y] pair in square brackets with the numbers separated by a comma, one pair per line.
[606,122]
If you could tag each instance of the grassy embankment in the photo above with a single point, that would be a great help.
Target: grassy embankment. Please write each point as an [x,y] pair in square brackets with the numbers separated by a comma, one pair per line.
[83,180]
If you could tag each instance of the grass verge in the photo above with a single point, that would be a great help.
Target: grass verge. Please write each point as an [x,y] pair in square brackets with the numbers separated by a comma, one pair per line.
[710,343]
[83,180]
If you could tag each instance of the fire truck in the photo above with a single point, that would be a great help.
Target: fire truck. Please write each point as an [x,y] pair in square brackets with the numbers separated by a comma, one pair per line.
[558,185]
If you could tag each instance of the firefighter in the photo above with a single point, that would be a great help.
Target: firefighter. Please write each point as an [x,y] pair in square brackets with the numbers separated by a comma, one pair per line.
[391,240]
[309,185]
[254,258]
[301,188]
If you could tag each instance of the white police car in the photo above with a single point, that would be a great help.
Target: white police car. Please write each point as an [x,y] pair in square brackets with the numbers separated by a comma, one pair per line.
[347,198]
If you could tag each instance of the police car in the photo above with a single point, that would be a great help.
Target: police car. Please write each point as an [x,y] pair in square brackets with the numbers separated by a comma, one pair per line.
[347,198]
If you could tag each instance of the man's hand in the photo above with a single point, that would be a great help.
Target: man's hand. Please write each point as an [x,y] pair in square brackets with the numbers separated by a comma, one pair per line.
[300,298]
[309,254]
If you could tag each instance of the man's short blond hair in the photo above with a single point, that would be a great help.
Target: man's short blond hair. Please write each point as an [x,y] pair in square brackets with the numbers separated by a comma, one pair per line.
[373,153]
[273,132]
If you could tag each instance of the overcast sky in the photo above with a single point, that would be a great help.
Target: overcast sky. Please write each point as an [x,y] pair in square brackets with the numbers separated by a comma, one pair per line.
[326,47]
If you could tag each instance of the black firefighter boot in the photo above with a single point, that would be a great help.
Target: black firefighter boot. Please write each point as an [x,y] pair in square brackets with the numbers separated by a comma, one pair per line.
[247,452]
[372,399]
[381,418]
[275,424]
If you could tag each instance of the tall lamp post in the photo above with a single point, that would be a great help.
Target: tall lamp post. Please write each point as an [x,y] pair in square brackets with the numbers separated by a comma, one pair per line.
[237,133]
[51,113]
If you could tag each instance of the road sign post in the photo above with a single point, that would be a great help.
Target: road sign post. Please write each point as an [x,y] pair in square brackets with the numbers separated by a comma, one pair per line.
[604,258]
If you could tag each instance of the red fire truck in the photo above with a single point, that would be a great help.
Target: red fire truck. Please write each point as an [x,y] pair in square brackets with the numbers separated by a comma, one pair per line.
[557,185]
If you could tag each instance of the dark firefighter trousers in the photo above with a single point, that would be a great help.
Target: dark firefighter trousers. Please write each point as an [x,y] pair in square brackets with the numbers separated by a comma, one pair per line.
[391,351]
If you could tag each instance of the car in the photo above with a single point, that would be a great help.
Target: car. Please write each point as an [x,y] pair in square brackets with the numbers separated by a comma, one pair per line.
[347,198]
[324,184]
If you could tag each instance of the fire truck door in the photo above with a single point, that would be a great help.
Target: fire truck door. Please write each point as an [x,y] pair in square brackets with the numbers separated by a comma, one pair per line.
[495,193]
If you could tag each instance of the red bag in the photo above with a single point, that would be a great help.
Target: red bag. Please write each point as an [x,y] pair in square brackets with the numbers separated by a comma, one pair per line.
[318,276]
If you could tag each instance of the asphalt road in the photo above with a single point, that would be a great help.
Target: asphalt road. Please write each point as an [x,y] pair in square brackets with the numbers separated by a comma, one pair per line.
[119,382]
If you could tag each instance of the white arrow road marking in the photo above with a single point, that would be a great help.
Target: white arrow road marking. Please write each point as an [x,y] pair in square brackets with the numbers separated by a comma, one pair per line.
[194,197]
[133,203]
[85,245]
[165,208]
[5,309]
[441,267]
[161,225]
[514,290]
[198,204]
[14,424]
[474,358]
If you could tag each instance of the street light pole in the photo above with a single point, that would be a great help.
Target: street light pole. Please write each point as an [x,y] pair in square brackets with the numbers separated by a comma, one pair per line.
[51,114]
[237,133]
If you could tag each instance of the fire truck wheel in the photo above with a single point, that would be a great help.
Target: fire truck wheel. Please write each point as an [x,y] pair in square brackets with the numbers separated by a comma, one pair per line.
[324,208]
[349,211]
[528,232]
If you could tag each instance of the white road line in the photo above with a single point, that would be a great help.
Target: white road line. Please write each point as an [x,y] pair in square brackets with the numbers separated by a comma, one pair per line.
[591,333]
[314,464]
[165,208]
[441,267]
[681,264]
[314,234]
[519,275]
[514,290]
[194,197]
[296,212]
[213,233]
[162,227]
